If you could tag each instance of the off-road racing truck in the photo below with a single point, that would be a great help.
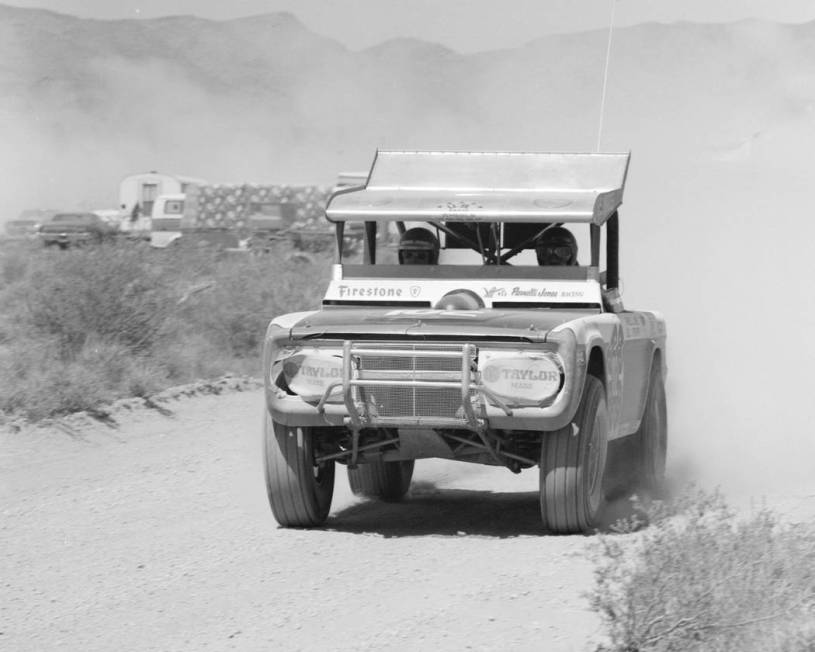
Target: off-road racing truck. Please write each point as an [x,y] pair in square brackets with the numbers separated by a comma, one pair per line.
[484,357]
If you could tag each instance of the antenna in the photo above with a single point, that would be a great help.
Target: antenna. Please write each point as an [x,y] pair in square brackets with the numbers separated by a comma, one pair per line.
[605,74]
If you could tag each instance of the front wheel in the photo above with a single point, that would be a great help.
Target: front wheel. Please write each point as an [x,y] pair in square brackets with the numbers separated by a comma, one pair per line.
[299,490]
[388,481]
[572,466]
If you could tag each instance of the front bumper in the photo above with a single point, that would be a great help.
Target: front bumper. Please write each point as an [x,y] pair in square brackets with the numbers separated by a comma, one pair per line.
[65,238]
[411,397]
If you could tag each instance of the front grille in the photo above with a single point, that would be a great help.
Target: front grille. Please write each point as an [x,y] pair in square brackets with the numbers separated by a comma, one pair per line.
[412,402]
[399,372]
[416,363]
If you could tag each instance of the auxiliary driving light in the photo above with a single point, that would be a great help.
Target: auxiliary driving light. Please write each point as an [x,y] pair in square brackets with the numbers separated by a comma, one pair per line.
[309,376]
[523,380]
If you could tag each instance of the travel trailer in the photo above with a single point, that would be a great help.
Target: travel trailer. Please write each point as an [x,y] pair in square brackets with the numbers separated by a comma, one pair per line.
[142,190]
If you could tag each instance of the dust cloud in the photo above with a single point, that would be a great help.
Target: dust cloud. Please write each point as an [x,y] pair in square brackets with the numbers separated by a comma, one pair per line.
[72,150]
[723,249]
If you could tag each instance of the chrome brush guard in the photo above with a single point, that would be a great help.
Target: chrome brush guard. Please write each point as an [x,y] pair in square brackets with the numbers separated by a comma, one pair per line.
[412,385]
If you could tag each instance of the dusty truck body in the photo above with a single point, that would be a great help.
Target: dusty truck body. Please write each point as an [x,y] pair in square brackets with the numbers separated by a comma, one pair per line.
[492,359]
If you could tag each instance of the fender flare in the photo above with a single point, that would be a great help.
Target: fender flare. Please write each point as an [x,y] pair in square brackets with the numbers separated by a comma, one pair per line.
[588,336]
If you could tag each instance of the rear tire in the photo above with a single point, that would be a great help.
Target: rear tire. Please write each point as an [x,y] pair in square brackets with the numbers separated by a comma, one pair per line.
[572,466]
[299,491]
[388,481]
[652,436]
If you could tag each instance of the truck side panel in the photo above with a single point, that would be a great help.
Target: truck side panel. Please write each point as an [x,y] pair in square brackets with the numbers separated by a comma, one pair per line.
[643,333]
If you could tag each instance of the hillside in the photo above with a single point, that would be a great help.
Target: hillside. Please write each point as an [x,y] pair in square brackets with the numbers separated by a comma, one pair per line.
[87,102]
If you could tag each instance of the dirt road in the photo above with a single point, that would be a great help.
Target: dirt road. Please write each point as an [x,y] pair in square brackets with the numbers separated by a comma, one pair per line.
[156,535]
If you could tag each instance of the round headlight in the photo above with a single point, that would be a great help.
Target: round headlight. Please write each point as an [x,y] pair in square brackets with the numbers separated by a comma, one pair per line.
[523,380]
[310,376]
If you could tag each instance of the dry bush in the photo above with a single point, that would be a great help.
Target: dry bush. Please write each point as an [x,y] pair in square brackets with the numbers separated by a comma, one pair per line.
[701,578]
[192,356]
[37,381]
[15,265]
[15,258]
[84,326]
[109,293]
[246,292]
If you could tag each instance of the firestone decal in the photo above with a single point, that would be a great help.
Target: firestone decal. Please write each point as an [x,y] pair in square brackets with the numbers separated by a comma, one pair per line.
[351,291]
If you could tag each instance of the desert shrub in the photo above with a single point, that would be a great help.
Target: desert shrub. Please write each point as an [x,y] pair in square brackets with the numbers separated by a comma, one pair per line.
[84,326]
[15,264]
[38,381]
[110,293]
[191,356]
[700,577]
[14,261]
[246,292]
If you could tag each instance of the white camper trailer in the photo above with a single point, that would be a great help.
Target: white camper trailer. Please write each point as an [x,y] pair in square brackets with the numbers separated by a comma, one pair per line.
[143,189]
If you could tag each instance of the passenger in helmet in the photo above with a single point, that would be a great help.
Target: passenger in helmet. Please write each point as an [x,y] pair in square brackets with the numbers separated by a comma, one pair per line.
[418,246]
[557,246]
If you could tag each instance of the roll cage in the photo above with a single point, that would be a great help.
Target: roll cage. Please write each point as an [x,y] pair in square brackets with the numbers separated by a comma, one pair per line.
[494,203]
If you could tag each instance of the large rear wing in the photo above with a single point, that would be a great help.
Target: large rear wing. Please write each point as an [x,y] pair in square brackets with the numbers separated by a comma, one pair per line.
[486,187]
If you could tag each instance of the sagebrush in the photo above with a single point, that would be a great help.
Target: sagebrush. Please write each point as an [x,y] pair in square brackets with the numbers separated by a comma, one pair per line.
[701,577]
[84,326]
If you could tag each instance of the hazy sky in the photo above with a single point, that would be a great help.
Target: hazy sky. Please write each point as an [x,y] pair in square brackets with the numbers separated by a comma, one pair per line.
[464,25]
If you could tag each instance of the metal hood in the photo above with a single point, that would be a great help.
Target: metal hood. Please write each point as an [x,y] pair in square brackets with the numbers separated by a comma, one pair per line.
[382,323]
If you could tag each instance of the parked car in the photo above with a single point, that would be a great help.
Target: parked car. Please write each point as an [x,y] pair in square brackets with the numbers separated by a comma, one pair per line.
[71,229]
[506,359]
[27,224]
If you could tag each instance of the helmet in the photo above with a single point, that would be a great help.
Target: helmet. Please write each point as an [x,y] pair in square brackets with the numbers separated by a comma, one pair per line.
[418,246]
[557,246]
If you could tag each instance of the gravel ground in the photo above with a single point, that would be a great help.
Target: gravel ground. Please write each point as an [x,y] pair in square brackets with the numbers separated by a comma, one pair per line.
[153,533]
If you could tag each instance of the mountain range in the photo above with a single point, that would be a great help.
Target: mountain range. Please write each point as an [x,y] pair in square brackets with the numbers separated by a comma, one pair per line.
[86,102]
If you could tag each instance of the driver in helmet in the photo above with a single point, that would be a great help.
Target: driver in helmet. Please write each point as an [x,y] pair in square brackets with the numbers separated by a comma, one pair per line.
[418,246]
[557,246]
